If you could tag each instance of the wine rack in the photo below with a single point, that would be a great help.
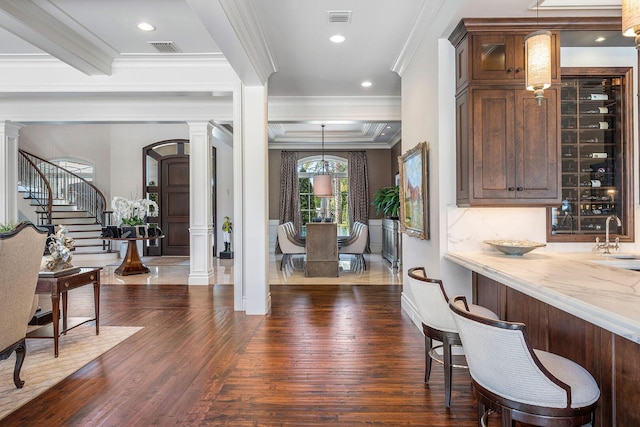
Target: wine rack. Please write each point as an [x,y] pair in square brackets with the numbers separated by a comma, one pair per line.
[592,155]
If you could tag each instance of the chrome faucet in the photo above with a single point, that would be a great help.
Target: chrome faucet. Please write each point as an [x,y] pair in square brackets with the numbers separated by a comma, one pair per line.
[607,245]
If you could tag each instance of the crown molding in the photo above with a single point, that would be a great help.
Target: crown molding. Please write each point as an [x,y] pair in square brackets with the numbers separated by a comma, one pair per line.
[427,15]
[344,146]
[190,74]
[248,28]
[44,25]
[319,109]
[237,31]
[576,5]
[160,109]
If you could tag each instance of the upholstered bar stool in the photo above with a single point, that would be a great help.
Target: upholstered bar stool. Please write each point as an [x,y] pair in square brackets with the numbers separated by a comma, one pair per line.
[522,384]
[438,324]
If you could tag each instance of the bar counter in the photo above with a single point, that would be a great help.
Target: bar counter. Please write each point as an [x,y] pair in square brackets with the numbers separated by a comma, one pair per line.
[582,306]
[587,285]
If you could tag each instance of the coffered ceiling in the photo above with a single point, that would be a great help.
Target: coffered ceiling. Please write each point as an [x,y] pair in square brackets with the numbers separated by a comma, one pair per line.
[287,42]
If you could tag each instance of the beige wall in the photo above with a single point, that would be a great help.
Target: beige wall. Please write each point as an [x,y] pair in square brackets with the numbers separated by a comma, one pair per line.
[379,165]
[396,151]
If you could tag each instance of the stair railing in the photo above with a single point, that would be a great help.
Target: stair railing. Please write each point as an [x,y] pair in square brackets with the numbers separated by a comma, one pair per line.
[33,181]
[67,187]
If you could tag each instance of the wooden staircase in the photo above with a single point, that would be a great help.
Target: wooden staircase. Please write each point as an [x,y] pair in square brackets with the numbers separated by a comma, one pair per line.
[59,197]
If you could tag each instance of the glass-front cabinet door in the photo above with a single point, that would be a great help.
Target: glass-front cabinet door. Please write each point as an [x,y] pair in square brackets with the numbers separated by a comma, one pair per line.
[596,136]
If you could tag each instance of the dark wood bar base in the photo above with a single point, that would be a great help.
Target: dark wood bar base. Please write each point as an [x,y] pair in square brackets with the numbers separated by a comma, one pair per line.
[613,361]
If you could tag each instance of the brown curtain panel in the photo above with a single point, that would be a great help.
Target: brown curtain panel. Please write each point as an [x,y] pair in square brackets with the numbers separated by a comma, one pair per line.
[359,190]
[289,192]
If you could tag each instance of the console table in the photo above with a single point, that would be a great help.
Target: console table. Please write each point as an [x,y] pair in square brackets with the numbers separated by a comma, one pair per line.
[57,286]
[132,264]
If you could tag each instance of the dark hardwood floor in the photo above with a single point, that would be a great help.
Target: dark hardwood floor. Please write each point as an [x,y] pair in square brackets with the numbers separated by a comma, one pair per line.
[325,355]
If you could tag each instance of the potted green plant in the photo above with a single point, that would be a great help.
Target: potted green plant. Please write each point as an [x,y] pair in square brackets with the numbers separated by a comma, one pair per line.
[387,201]
[7,227]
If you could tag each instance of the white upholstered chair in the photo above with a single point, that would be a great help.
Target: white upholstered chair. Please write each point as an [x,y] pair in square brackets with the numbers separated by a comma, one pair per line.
[520,383]
[357,244]
[432,304]
[20,257]
[288,243]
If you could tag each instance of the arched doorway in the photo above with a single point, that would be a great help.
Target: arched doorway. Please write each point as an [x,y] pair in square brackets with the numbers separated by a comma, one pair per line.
[166,181]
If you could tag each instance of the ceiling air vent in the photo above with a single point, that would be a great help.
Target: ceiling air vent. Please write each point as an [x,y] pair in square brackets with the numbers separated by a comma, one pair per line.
[339,16]
[165,47]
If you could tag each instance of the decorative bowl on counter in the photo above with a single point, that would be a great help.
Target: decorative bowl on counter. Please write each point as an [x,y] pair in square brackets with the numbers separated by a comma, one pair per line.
[514,247]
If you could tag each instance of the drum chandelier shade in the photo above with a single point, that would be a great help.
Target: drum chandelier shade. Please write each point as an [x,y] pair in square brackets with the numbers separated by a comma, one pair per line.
[631,19]
[322,179]
[537,46]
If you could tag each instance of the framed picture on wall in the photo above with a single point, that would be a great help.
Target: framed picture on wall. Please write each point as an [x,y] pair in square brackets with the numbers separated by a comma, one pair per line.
[414,191]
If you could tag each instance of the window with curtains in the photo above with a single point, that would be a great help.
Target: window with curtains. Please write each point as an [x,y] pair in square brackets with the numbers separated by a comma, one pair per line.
[333,208]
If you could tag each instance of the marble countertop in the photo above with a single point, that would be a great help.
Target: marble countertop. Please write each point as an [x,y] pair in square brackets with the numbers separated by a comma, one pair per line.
[592,286]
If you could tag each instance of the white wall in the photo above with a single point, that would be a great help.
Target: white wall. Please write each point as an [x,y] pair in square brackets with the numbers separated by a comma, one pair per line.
[114,149]
[116,152]
[224,182]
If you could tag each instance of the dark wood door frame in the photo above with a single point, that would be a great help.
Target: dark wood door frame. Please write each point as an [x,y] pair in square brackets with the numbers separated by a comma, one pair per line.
[157,190]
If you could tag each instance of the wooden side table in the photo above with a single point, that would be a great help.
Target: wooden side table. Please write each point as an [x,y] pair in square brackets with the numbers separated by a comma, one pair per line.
[132,264]
[57,286]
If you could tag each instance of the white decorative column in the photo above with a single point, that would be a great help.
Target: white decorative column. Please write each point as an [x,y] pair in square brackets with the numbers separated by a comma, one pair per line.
[9,172]
[255,218]
[200,203]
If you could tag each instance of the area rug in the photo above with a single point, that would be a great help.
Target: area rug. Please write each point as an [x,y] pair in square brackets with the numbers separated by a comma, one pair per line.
[42,371]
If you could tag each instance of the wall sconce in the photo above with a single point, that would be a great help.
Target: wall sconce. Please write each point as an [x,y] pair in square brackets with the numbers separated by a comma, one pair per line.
[631,20]
[322,179]
[537,47]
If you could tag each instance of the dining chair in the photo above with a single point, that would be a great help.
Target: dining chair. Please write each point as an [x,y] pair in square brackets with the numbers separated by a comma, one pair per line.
[432,304]
[520,383]
[288,245]
[357,244]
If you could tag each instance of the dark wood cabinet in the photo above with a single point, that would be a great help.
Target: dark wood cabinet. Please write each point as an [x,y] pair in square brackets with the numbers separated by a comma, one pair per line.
[508,148]
[614,361]
[507,145]
[497,57]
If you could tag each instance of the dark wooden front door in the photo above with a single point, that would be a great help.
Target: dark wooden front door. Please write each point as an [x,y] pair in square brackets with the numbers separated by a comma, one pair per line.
[175,205]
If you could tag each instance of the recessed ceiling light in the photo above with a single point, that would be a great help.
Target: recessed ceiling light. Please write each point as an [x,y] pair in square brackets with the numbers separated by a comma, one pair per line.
[337,38]
[388,126]
[145,26]
[366,84]
[383,134]
[601,39]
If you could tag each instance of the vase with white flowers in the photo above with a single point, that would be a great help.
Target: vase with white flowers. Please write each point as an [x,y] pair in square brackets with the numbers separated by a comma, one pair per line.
[133,213]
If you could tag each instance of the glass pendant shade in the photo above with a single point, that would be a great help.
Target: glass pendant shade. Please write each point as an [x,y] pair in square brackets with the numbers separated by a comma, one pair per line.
[537,47]
[631,19]
[322,185]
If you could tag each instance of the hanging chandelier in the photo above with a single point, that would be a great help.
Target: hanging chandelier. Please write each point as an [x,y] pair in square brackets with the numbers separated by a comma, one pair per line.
[537,47]
[322,178]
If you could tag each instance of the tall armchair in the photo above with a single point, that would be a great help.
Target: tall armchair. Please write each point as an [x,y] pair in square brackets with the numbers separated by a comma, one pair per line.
[20,258]
[357,244]
[288,243]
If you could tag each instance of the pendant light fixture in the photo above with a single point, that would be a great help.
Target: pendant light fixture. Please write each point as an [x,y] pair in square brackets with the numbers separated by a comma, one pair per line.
[631,20]
[322,178]
[537,49]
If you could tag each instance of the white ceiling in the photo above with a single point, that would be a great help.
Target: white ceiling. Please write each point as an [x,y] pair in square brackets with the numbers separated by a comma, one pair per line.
[90,34]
